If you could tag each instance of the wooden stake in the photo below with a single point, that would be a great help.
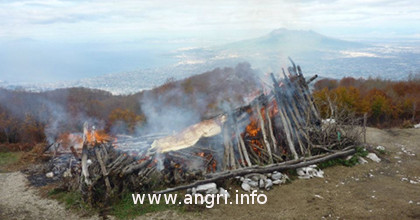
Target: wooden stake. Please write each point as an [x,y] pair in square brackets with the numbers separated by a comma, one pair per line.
[267,144]
[364,127]
[241,143]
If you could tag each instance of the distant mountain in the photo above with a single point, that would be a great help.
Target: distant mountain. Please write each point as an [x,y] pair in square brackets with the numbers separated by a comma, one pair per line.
[293,41]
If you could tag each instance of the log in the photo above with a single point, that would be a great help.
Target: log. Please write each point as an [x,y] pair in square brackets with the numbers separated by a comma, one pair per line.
[283,117]
[258,169]
[232,155]
[264,133]
[226,153]
[241,142]
[85,171]
[311,79]
[135,167]
[104,172]
[270,130]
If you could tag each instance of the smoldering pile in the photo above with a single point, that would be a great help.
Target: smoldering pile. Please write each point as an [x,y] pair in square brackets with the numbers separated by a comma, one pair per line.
[279,129]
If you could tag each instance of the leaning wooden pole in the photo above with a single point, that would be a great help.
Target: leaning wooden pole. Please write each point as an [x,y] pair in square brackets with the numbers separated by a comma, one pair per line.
[85,171]
[264,133]
[286,127]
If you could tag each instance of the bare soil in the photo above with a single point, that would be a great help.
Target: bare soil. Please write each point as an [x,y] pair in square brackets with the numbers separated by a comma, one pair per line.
[369,191]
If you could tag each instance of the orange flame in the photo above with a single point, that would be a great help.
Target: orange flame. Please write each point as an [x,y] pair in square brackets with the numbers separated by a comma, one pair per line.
[252,128]
[97,137]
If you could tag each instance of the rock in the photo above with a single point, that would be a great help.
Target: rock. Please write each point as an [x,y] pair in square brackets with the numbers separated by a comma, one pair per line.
[246,180]
[209,187]
[268,184]
[261,183]
[362,160]
[212,191]
[413,182]
[242,179]
[246,187]
[309,172]
[49,175]
[277,182]
[253,184]
[224,193]
[373,157]
[255,176]
[276,176]
[381,148]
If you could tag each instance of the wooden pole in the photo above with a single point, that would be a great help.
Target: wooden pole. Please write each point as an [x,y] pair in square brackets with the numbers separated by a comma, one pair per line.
[283,118]
[241,142]
[264,133]
[364,127]
[85,171]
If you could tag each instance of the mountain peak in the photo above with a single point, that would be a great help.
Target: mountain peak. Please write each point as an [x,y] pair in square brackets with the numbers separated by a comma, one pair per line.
[285,31]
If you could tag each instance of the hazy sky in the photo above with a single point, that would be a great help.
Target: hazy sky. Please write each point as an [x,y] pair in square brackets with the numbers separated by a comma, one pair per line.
[204,19]
[63,39]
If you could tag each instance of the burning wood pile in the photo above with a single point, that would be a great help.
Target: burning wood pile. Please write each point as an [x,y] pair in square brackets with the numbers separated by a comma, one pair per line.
[280,129]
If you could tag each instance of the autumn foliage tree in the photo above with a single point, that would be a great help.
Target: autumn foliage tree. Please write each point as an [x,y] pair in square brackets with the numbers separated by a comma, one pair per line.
[125,120]
[387,103]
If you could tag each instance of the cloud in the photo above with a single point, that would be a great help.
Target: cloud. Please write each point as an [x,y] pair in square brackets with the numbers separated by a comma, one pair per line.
[58,19]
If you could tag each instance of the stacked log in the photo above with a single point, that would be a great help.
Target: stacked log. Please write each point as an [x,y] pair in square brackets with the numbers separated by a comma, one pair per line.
[284,135]
[272,132]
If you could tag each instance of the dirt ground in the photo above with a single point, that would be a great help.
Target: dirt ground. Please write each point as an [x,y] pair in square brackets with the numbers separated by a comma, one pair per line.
[386,190]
